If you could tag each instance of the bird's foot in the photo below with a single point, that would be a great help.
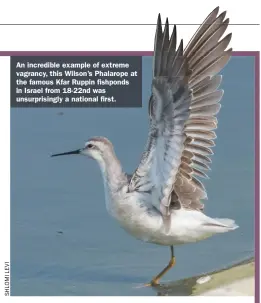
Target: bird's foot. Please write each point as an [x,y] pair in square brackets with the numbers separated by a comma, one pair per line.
[153,283]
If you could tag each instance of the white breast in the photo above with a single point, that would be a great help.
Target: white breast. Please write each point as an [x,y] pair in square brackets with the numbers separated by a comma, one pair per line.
[132,213]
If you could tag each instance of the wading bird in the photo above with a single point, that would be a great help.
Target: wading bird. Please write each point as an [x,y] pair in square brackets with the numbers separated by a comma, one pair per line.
[161,201]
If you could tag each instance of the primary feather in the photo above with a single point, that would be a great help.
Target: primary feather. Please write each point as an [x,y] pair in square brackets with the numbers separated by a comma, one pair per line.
[182,109]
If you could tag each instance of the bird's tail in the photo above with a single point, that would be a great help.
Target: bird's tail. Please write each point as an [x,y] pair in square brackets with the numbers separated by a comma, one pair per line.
[221,225]
[228,223]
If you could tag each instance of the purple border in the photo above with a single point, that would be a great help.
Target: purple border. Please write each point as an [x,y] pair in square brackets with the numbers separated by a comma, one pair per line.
[257,175]
[103,53]
[255,54]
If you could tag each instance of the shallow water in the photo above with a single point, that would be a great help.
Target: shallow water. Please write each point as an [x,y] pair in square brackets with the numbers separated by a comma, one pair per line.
[63,242]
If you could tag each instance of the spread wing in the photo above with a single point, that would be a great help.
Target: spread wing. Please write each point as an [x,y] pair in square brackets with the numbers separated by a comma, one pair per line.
[182,108]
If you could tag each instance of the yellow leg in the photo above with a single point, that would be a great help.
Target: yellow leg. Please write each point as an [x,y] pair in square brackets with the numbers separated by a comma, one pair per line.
[155,280]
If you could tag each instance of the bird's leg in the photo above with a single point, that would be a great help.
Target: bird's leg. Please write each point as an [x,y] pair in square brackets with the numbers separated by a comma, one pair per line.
[155,280]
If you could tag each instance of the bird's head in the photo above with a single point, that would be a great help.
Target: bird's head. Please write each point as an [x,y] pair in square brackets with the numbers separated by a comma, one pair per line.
[97,148]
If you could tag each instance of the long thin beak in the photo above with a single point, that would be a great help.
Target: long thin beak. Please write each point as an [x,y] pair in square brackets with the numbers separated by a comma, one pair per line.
[73,152]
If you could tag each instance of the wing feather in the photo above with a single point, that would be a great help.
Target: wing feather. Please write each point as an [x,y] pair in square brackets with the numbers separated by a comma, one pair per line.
[182,109]
[206,57]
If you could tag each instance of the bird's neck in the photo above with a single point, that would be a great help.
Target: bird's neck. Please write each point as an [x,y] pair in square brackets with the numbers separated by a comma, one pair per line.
[112,172]
[114,180]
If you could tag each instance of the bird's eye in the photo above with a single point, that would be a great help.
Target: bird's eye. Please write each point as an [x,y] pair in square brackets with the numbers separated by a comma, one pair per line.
[90,145]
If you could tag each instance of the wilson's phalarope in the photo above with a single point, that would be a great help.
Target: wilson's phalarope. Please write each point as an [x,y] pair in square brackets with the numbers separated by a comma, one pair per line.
[161,202]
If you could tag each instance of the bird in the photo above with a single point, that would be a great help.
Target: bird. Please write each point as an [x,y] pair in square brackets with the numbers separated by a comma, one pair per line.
[161,201]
